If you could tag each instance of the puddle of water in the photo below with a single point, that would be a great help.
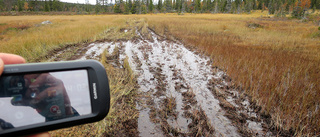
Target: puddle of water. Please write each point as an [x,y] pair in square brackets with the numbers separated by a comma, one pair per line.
[146,82]
[111,48]
[146,56]
[147,128]
[194,70]
[252,125]
[95,50]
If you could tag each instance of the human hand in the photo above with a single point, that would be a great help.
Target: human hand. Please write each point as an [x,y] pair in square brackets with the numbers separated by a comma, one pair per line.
[45,93]
[9,59]
[45,134]
[15,59]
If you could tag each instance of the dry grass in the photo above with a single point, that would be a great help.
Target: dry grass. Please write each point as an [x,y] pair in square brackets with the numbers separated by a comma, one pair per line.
[278,64]
[38,40]
[26,37]
[122,116]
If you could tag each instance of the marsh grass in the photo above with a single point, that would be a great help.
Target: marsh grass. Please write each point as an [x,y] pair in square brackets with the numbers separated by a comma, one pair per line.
[36,41]
[122,107]
[277,63]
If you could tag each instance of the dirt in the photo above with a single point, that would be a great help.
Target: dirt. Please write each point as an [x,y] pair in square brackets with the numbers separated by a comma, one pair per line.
[181,93]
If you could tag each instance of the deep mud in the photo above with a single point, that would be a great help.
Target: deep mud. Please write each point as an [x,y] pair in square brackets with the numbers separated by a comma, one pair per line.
[181,93]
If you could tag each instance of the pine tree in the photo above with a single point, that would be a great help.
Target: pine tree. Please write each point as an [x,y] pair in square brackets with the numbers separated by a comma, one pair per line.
[223,5]
[133,8]
[204,6]
[103,5]
[130,4]
[159,5]
[47,6]
[151,6]
[126,7]
[138,7]
[20,5]
[209,5]
[271,7]
[174,5]
[144,8]
[183,6]
[198,5]
[178,5]
[168,6]
[97,7]
[216,6]
[237,4]
[228,6]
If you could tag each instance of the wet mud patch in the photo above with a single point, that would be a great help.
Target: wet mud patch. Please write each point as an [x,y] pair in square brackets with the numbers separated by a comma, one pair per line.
[180,93]
[169,70]
[122,119]
[67,52]
[127,125]
[200,125]
[245,115]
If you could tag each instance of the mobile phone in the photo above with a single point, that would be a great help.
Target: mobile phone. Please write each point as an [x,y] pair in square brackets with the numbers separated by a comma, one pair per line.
[39,97]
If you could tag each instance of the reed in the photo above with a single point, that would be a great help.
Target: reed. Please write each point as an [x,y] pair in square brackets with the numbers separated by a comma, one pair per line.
[277,64]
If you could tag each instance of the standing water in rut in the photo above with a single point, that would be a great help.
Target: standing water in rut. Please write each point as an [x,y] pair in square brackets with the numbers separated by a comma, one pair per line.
[181,93]
[167,71]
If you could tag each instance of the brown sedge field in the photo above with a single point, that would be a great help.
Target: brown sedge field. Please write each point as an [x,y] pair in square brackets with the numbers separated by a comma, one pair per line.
[276,63]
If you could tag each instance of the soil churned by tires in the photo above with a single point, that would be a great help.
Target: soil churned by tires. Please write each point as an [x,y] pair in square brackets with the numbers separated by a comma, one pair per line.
[181,93]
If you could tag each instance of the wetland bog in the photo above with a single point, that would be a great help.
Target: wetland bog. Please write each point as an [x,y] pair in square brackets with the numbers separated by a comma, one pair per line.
[187,75]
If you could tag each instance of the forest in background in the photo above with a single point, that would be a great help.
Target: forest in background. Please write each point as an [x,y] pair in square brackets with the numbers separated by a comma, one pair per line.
[280,8]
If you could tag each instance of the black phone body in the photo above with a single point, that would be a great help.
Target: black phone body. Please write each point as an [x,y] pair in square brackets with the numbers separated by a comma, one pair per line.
[39,97]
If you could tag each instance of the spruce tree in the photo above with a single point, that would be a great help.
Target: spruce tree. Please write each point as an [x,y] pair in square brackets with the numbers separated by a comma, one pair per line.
[228,6]
[133,7]
[198,5]
[150,6]
[47,6]
[159,5]
[204,6]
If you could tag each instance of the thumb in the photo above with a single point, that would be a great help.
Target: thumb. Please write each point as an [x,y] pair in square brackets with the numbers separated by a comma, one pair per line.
[1,66]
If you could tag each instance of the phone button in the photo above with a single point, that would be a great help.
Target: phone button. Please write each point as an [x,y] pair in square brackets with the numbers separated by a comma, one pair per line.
[55,109]
[19,115]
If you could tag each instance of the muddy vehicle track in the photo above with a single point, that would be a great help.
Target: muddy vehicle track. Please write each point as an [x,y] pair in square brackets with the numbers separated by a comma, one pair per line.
[181,94]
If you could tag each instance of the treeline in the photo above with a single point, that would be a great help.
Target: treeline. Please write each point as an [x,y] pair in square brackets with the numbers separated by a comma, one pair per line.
[43,5]
[297,8]
[278,7]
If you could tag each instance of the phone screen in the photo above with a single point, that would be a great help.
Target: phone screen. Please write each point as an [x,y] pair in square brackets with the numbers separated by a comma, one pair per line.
[42,97]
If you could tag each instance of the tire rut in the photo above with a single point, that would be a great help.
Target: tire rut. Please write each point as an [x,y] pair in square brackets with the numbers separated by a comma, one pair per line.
[181,93]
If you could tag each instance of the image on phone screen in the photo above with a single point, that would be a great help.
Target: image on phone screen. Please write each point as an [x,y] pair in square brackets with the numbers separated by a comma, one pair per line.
[41,97]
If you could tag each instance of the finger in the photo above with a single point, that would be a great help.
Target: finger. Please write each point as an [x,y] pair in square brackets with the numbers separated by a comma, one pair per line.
[11,58]
[45,134]
[49,92]
[1,66]
[45,79]
[40,80]
[67,102]
[35,82]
